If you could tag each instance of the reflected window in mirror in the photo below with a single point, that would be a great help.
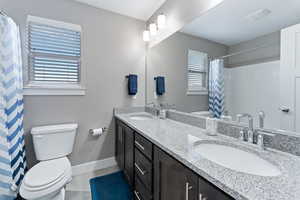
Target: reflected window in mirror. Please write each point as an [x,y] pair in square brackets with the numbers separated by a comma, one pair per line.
[197,75]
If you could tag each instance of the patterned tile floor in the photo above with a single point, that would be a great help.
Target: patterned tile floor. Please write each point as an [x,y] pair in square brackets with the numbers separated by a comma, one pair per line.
[79,188]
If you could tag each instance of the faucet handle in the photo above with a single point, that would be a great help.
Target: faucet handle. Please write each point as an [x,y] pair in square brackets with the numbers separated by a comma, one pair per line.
[260,141]
[241,132]
[242,135]
[250,136]
[262,114]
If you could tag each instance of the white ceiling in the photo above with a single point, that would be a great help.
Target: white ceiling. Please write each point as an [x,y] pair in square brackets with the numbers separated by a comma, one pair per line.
[228,23]
[139,9]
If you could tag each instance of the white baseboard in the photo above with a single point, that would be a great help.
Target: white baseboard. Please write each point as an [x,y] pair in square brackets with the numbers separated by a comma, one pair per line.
[93,166]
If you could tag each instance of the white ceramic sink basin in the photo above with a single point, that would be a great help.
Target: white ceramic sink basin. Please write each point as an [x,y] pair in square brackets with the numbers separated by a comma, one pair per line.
[237,159]
[140,117]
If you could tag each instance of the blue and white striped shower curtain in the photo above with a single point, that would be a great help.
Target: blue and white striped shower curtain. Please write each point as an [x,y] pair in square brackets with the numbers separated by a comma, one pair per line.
[216,87]
[12,153]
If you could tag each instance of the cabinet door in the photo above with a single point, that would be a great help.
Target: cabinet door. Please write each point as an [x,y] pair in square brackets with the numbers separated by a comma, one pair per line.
[172,180]
[129,155]
[120,145]
[208,191]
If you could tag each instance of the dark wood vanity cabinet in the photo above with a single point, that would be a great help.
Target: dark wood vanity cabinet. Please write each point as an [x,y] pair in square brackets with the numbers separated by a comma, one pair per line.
[143,168]
[125,151]
[172,180]
[155,175]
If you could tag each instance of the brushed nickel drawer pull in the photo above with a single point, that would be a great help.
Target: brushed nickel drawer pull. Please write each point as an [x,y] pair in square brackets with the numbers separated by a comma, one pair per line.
[201,197]
[137,195]
[139,145]
[187,188]
[143,172]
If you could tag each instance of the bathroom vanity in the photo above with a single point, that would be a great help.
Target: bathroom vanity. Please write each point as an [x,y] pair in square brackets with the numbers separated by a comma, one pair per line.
[175,159]
[152,173]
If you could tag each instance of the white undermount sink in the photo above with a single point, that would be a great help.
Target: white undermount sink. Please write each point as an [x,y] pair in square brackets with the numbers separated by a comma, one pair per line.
[237,159]
[140,117]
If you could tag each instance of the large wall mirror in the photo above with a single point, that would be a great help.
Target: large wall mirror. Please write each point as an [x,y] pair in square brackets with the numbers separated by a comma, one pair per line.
[246,61]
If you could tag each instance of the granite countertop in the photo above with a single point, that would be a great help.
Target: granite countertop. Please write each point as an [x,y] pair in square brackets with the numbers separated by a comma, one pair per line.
[180,140]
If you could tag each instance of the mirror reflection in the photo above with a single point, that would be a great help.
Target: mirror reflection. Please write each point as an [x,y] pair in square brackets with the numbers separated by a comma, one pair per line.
[243,66]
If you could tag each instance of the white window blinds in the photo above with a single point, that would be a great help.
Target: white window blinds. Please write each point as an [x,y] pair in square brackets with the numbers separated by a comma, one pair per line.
[54,51]
[197,71]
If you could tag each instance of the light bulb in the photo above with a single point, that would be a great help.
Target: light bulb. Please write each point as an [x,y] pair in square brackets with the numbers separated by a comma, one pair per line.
[146,36]
[153,29]
[161,21]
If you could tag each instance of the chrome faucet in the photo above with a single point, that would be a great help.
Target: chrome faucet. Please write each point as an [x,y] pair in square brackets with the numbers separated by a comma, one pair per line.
[250,125]
[164,107]
[262,116]
[160,109]
[155,107]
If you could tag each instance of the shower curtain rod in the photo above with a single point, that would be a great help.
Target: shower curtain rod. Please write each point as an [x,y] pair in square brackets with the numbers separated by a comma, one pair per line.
[245,51]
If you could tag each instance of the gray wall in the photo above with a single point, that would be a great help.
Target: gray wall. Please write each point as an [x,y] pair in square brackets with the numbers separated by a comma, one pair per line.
[112,48]
[169,58]
[262,55]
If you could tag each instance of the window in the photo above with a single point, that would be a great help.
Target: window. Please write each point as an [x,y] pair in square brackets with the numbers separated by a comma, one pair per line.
[197,73]
[54,57]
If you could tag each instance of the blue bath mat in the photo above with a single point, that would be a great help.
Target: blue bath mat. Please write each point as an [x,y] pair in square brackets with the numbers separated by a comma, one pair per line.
[110,187]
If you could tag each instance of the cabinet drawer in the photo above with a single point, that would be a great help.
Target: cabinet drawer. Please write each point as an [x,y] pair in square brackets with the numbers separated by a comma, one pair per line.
[143,145]
[143,169]
[141,193]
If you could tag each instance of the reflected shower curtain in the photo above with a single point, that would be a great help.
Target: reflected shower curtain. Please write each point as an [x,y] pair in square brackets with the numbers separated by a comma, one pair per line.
[216,87]
[12,153]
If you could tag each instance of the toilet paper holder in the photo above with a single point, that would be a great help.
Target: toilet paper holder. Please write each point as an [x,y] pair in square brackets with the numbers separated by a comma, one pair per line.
[92,131]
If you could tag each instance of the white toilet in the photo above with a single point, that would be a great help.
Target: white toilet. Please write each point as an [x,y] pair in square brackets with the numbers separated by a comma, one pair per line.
[47,179]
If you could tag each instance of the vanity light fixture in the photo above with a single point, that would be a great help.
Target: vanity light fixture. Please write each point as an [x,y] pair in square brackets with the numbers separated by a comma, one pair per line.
[146,36]
[153,29]
[161,21]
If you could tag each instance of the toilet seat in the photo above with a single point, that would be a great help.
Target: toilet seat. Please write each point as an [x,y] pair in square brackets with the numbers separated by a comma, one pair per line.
[45,178]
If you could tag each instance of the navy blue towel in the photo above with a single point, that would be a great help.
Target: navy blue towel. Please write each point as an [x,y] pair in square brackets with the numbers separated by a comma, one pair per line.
[160,85]
[132,84]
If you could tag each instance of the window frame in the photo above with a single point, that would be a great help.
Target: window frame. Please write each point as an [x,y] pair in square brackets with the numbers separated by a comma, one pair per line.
[38,88]
[204,90]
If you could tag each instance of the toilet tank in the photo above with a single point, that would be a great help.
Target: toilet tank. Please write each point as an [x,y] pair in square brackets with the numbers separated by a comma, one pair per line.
[53,141]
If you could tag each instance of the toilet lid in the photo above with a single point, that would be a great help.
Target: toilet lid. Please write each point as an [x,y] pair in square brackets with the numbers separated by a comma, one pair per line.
[46,172]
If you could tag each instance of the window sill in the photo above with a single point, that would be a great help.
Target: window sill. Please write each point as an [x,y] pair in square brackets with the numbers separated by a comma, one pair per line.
[197,93]
[38,90]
